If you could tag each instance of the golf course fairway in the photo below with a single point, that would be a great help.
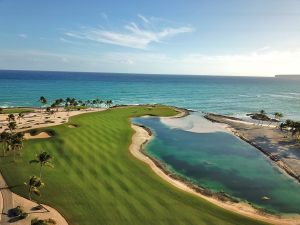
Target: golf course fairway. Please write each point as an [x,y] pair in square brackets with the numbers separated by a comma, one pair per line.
[96,181]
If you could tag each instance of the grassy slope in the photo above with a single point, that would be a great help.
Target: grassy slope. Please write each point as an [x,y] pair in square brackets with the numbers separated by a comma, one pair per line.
[97,181]
[16,110]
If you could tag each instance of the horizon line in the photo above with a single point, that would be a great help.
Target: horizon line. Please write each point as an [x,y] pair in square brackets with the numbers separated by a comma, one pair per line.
[136,73]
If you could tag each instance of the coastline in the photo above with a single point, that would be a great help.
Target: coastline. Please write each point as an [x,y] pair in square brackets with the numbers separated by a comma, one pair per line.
[143,135]
[229,121]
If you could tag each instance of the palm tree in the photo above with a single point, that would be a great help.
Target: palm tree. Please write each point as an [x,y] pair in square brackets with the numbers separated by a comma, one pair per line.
[108,103]
[20,116]
[16,143]
[34,184]
[291,126]
[43,102]
[260,117]
[295,129]
[262,112]
[12,126]
[101,102]
[44,159]
[57,103]
[4,138]
[11,117]
[278,116]
[88,102]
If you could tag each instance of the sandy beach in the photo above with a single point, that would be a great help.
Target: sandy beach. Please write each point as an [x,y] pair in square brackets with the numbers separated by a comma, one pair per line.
[37,119]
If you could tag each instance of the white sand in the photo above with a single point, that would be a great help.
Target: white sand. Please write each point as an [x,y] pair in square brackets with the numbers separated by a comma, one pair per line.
[194,123]
[35,120]
[28,136]
[41,214]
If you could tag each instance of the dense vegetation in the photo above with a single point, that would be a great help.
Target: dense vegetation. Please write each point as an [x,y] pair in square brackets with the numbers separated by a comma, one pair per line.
[97,181]
[15,110]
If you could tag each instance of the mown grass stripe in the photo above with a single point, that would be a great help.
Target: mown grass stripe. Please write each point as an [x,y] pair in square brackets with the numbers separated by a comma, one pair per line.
[96,181]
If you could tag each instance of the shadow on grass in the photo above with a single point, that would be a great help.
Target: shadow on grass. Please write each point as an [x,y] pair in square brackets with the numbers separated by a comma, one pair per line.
[11,187]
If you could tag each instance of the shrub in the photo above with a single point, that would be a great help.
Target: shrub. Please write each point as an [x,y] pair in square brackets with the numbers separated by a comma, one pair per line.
[17,213]
[37,221]
[14,212]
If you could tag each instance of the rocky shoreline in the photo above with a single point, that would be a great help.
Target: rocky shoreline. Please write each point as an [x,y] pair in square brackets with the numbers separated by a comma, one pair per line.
[250,134]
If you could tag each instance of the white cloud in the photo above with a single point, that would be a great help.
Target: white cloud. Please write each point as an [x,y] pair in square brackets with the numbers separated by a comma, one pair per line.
[23,35]
[134,36]
[258,63]
[143,18]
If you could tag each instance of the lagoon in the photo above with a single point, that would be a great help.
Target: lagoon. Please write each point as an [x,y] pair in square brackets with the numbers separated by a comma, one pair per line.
[219,161]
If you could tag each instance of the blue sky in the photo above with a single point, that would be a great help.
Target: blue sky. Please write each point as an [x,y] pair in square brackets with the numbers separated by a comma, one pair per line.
[217,37]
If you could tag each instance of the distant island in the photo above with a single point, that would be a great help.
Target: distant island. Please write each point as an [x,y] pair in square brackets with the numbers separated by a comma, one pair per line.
[288,76]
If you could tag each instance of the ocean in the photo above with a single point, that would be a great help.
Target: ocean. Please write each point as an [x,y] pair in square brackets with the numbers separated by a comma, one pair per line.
[235,96]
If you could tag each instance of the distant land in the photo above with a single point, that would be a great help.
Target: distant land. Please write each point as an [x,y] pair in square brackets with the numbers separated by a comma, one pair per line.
[288,76]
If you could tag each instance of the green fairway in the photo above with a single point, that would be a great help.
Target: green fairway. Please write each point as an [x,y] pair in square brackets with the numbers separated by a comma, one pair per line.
[17,110]
[96,181]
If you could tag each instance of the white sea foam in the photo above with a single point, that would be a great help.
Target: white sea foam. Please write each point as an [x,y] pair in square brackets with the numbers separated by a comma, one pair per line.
[284,96]
[196,123]
[293,93]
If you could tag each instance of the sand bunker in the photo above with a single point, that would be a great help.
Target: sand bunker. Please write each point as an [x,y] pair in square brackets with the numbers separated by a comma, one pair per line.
[72,126]
[38,136]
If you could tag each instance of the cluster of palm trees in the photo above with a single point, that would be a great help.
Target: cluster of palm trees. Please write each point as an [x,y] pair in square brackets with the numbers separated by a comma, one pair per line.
[292,127]
[35,183]
[262,116]
[11,141]
[72,103]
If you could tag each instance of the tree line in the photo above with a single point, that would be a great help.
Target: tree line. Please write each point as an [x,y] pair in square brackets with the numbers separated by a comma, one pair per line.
[12,141]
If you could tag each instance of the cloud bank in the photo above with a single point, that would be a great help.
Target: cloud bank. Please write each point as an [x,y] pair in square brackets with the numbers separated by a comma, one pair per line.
[262,62]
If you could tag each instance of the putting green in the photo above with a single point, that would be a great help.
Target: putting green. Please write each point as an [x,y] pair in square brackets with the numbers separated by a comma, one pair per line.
[97,181]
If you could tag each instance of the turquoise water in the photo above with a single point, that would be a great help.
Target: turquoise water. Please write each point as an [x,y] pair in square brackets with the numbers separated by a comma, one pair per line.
[221,162]
[227,95]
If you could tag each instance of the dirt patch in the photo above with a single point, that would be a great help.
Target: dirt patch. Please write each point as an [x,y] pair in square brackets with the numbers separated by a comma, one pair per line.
[28,135]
